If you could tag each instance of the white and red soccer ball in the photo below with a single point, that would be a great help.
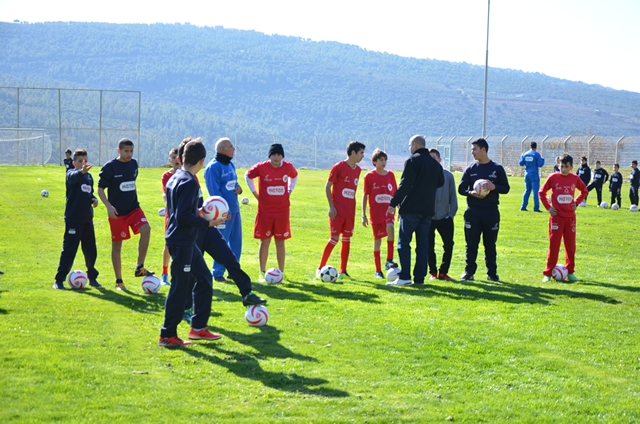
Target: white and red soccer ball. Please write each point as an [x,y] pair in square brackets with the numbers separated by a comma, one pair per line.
[77,279]
[215,207]
[150,284]
[245,200]
[604,205]
[479,187]
[257,316]
[328,274]
[615,206]
[273,276]
[559,273]
[393,274]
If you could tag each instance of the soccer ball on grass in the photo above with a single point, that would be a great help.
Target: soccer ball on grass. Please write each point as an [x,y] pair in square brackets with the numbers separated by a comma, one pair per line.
[328,274]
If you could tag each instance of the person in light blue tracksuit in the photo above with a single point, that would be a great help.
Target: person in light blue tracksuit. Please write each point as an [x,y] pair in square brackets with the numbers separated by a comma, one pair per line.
[532,161]
[221,179]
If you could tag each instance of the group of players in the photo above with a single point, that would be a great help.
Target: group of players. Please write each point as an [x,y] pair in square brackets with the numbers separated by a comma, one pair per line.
[188,234]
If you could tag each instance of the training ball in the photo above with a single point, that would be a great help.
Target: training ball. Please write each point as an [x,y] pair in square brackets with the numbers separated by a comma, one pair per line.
[604,205]
[273,276]
[257,316]
[393,274]
[77,279]
[583,204]
[478,187]
[559,272]
[328,274]
[615,206]
[44,193]
[215,207]
[633,208]
[162,211]
[150,284]
[245,200]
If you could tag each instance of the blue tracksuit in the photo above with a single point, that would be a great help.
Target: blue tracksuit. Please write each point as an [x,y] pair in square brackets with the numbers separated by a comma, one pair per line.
[532,161]
[221,179]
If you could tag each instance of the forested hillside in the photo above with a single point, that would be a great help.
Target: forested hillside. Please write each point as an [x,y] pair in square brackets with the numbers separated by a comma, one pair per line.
[218,81]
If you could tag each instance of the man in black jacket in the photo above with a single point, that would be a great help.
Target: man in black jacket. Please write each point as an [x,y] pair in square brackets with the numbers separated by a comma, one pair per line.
[416,196]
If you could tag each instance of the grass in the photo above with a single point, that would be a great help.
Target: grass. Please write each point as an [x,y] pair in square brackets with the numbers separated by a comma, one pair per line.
[519,350]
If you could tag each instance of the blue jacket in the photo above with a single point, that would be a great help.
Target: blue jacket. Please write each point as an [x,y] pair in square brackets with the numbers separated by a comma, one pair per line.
[221,180]
[531,160]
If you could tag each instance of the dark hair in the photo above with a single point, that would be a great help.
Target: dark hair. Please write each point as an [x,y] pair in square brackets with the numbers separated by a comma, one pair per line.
[377,154]
[194,152]
[597,162]
[78,152]
[557,159]
[583,158]
[482,144]
[634,162]
[435,152]
[354,146]
[566,159]
[173,151]
[124,142]
[68,151]
[615,164]
[181,147]
[534,145]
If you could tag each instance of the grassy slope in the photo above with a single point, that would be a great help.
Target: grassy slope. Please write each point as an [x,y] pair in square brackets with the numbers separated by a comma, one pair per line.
[517,350]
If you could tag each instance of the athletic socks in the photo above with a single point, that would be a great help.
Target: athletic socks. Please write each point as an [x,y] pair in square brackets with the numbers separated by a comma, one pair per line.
[327,252]
[389,250]
[344,253]
[376,258]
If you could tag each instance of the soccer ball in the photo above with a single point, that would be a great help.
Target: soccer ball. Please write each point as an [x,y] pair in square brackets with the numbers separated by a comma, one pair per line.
[604,205]
[44,193]
[245,200]
[150,284]
[77,279]
[633,208]
[478,187]
[162,211]
[328,274]
[559,272]
[393,274]
[615,206]
[583,204]
[215,207]
[273,276]
[257,316]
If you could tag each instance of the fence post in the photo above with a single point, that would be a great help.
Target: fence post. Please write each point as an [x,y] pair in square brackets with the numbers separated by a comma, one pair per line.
[451,152]
[565,144]
[617,143]
[542,145]
[589,148]
[502,149]
[466,158]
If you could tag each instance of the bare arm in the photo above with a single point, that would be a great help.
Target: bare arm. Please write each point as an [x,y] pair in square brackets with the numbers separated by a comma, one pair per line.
[332,209]
[110,209]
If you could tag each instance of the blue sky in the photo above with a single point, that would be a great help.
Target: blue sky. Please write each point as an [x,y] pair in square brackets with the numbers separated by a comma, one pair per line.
[594,41]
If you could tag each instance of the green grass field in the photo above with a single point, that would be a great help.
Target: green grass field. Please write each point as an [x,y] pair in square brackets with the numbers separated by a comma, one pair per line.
[518,350]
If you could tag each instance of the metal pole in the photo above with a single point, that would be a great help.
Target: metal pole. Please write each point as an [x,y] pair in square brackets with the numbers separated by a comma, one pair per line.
[451,151]
[522,144]
[384,143]
[542,145]
[139,141]
[589,148]
[617,143]
[315,152]
[486,71]
[565,144]
[60,126]
[502,149]
[100,133]
[18,130]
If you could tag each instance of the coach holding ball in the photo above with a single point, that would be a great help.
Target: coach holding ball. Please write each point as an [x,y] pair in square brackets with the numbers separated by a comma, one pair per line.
[482,217]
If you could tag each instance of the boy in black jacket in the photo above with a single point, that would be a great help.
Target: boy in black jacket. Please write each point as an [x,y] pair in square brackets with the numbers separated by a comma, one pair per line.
[186,259]
[615,185]
[78,222]
[600,176]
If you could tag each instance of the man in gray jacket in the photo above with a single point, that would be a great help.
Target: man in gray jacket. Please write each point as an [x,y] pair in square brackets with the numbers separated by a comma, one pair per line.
[445,210]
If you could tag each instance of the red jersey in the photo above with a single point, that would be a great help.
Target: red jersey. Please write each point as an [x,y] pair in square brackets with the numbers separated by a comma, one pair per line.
[380,189]
[273,186]
[165,178]
[563,193]
[345,184]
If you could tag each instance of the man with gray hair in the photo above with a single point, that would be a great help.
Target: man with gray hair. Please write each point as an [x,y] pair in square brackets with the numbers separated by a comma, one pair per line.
[221,179]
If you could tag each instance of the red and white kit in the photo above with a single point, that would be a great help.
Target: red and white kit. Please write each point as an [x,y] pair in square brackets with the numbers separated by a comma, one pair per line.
[380,189]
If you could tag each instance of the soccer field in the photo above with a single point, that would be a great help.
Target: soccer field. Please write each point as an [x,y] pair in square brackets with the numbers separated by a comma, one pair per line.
[518,350]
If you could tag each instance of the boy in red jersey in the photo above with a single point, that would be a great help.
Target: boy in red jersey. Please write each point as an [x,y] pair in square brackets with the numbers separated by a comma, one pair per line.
[175,165]
[562,211]
[341,195]
[379,187]
[276,179]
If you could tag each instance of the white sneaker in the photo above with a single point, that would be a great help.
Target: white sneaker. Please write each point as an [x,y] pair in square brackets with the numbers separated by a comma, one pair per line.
[399,282]
[261,278]
[318,273]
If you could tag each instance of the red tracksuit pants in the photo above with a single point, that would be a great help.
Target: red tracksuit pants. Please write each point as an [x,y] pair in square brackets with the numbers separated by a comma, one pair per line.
[561,228]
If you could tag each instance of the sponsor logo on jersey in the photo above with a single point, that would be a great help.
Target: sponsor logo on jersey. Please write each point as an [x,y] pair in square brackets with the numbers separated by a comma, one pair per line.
[383,198]
[187,268]
[565,199]
[267,178]
[231,185]
[72,231]
[467,225]
[276,191]
[496,227]
[348,193]
[86,188]
[355,182]
[389,187]
[285,178]
[492,175]
[128,186]
[528,159]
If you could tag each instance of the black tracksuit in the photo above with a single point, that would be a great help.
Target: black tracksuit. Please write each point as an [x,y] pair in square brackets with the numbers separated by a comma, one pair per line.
[615,187]
[634,180]
[600,176]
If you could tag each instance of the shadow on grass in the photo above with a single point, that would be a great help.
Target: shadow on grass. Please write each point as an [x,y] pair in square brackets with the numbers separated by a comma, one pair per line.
[611,286]
[248,367]
[501,292]
[133,301]
[325,289]
[272,291]
[2,310]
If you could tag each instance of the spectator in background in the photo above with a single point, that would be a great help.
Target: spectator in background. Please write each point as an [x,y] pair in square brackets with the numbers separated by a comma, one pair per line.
[634,181]
[532,161]
[600,176]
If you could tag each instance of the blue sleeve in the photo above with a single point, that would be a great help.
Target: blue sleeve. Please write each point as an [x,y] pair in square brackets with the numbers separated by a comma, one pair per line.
[522,161]
[105,176]
[184,206]
[212,179]
[540,161]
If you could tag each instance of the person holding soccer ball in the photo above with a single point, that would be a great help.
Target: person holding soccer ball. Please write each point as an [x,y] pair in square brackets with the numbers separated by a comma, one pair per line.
[340,190]
[562,215]
[78,221]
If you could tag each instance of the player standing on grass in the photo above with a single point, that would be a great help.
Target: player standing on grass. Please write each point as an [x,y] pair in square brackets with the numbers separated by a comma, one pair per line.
[634,182]
[183,194]
[600,176]
[175,165]
[68,160]
[584,172]
[276,180]
[340,191]
[379,187]
[78,222]
[562,215]
[118,177]
[532,161]
[615,185]
[482,217]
